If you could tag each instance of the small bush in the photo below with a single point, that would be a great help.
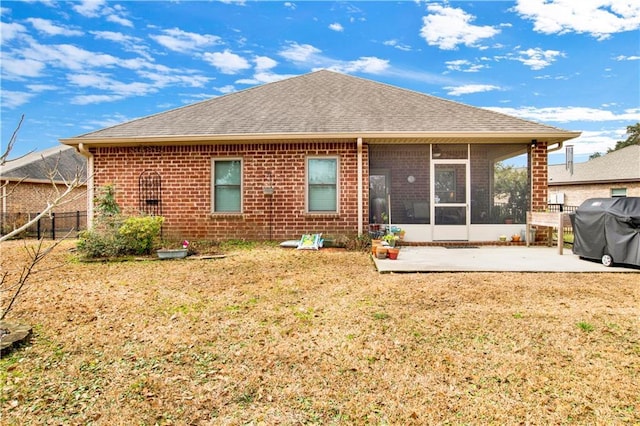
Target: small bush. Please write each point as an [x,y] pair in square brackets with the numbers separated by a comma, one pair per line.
[96,244]
[139,234]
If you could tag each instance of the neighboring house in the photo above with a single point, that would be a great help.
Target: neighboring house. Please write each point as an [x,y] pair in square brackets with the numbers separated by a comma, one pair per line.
[616,174]
[321,152]
[28,184]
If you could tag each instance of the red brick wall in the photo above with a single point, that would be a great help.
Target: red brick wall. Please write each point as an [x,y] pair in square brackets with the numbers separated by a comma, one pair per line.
[186,188]
[29,197]
[539,179]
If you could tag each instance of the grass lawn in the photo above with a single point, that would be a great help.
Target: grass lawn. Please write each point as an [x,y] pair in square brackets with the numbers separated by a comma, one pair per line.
[280,336]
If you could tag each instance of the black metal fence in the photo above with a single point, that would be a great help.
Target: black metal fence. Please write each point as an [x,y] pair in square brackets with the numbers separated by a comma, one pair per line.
[555,208]
[54,225]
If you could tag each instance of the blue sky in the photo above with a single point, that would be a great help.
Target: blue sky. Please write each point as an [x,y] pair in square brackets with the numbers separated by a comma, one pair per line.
[74,67]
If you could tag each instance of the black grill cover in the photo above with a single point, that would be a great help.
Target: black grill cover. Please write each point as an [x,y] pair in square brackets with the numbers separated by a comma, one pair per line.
[608,226]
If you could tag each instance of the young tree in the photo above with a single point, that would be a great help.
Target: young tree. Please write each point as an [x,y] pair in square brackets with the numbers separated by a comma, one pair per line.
[61,194]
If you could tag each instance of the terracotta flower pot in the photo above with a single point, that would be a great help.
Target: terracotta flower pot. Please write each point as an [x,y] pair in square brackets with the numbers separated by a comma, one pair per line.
[381,252]
[374,245]
[393,253]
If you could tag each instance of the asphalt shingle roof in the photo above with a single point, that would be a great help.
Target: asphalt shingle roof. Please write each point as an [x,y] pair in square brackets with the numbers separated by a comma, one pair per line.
[620,165]
[37,165]
[321,102]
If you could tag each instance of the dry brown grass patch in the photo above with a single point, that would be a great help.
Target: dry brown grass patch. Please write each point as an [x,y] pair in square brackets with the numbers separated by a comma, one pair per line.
[278,336]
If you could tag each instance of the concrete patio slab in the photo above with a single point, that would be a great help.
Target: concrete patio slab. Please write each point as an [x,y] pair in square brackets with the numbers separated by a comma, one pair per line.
[491,259]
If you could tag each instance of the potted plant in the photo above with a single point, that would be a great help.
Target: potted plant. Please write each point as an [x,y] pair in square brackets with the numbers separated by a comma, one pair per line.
[391,239]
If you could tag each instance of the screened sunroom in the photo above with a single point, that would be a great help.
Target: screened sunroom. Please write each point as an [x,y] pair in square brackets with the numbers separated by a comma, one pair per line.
[449,192]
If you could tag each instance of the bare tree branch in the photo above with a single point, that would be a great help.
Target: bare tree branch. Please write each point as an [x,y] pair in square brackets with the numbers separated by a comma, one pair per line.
[12,141]
[35,256]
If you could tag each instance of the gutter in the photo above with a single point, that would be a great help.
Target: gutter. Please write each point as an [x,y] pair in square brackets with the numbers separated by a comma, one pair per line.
[82,150]
[556,148]
[424,137]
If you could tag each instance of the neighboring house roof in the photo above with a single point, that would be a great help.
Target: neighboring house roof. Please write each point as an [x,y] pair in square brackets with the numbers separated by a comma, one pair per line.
[324,104]
[622,165]
[36,166]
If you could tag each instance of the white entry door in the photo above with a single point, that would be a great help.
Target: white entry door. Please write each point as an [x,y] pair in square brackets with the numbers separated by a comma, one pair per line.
[450,200]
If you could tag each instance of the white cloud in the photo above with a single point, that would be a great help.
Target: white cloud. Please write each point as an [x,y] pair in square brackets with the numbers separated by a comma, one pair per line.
[182,41]
[395,43]
[336,27]
[68,56]
[162,80]
[289,5]
[129,43]
[227,62]
[37,88]
[470,89]
[367,64]
[19,69]
[229,88]
[599,18]
[569,114]
[12,99]
[49,28]
[264,77]
[299,52]
[120,20]
[94,99]
[627,58]
[463,65]
[264,63]
[89,8]
[537,58]
[11,31]
[447,27]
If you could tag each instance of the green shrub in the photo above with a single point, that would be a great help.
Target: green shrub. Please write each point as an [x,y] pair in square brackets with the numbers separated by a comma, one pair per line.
[97,243]
[139,234]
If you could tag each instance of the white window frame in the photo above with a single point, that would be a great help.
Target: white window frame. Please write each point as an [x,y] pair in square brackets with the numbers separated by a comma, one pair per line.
[213,184]
[306,183]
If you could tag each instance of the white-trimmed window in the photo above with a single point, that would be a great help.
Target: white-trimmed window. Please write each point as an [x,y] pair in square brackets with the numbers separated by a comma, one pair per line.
[322,184]
[618,192]
[226,185]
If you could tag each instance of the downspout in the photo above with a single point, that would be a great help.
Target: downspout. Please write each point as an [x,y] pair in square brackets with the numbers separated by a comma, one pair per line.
[360,192]
[4,196]
[90,190]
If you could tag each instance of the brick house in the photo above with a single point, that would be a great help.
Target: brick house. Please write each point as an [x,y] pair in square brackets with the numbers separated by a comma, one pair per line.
[320,152]
[27,185]
[616,174]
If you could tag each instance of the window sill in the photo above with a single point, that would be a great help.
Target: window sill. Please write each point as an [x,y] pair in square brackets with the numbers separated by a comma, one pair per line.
[322,215]
[238,216]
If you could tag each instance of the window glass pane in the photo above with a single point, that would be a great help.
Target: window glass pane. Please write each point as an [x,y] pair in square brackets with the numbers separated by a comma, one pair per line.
[227,199]
[227,172]
[227,186]
[322,184]
[618,192]
[322,171]
[322,198]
